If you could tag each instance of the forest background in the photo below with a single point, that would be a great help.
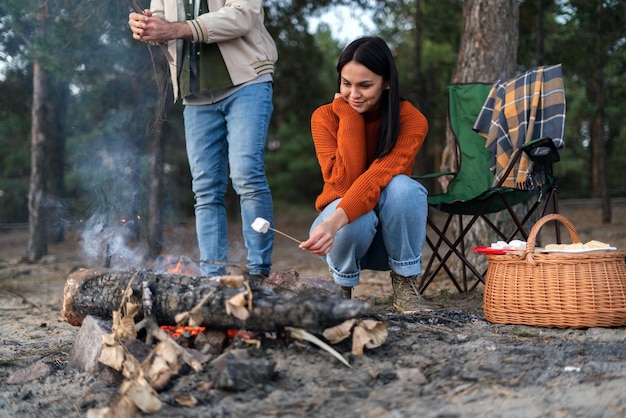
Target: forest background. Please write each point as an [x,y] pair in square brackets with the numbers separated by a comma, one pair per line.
[89,132]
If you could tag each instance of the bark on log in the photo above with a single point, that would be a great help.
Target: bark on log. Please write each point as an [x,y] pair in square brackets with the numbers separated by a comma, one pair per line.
[98,292]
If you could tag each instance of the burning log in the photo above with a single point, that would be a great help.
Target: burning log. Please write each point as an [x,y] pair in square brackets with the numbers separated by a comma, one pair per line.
[98,292]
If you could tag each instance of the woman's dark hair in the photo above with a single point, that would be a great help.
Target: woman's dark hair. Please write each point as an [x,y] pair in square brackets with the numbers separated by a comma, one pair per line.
[373,53]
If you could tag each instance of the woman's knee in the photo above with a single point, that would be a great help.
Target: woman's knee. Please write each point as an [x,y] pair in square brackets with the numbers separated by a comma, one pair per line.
[404,189]
[362,228]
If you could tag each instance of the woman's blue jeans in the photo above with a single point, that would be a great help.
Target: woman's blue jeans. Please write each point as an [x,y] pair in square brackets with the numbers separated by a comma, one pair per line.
[391,236]
[230,136]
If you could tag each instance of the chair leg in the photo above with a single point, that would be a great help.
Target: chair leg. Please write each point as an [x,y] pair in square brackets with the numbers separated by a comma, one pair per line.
[428,276]
[439,257]
[456,248]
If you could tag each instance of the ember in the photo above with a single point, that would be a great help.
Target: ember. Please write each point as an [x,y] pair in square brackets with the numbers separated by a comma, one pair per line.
[177,268]
[180,265]
[177,331]
[241,333]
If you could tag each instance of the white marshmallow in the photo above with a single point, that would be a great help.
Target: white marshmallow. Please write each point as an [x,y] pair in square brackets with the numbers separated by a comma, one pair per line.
[261,225]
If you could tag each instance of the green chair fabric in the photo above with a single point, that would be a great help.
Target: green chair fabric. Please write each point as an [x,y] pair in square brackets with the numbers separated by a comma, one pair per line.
[473,175]
[472,191]
[473,182]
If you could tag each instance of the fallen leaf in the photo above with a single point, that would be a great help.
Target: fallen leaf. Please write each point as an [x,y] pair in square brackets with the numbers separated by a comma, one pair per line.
[186,400]
[100,413]
[132,309]
[232,281]
[143,395]
[109,339]
[339,332]
[112,356]
[124,324]
[116,319]
[157,367]
[126,329]
[167,351]
[370,334]
[129,366]
[195,320]
[237,306]
[124,408]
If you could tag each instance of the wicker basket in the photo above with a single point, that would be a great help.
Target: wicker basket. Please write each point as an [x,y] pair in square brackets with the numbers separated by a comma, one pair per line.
[577,290]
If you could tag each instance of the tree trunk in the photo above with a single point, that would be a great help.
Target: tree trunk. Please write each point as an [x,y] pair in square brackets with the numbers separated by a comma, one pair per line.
[37,240]
[487,52]
[599,175]
[488,49]
[99,292]
[57,115]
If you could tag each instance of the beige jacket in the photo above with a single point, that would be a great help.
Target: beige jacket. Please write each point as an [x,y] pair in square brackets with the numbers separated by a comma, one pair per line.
[237,26]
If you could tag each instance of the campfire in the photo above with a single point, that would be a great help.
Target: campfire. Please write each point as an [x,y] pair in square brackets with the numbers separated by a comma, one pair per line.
[178,265]
[185,319]
[175,332]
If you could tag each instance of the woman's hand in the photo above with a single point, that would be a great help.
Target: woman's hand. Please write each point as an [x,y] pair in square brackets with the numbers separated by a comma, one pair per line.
[321,240]
[322,237]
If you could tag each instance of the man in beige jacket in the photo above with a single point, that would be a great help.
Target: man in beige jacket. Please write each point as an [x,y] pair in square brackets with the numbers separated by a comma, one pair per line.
[222,61]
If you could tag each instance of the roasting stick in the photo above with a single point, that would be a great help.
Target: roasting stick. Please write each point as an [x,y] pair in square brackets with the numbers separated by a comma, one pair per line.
[263,225]
[138,8]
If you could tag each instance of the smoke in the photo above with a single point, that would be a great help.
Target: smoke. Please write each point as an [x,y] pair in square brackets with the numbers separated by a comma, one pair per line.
[111,245]
[109,170]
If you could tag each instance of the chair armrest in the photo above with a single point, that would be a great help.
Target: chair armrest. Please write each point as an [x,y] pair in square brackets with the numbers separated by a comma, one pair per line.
[433,175]
[541,150]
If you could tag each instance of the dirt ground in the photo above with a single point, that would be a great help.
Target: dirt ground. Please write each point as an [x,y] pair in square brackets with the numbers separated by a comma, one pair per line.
[446,363]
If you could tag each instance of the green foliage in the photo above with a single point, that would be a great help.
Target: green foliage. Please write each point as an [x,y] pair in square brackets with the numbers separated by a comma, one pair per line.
[305,79]
[15,94]
[111,108]
[292,168]
[439,26]
[573,169]
[13,200]
[589,40]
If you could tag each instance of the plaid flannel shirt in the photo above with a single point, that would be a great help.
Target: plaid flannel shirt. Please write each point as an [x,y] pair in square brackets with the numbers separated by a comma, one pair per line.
[519,110]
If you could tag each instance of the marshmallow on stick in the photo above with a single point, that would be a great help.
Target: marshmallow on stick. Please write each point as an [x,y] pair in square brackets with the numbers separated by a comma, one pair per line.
[262,225]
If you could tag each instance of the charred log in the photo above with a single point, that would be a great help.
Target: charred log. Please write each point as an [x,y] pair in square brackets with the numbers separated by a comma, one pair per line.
[99,292]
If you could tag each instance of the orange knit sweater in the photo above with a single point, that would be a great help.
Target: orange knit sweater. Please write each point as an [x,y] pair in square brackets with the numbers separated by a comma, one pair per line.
[345,142]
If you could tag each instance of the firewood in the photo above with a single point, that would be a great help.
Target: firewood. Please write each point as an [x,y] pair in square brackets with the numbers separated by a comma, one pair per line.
[98,292]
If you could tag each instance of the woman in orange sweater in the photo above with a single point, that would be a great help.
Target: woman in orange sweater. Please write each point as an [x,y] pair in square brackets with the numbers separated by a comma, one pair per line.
[372,214]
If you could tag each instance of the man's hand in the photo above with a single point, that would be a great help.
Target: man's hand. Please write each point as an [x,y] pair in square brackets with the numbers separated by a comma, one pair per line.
[149,28]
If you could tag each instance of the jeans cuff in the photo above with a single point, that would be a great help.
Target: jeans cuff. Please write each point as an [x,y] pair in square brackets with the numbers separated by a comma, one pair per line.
[407,268]
[347,280]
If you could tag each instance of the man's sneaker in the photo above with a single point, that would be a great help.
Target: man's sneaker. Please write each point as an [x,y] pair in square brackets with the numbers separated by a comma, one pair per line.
[406,297]
[346,292]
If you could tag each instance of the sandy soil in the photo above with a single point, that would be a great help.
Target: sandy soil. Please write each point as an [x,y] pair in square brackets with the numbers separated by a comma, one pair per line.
[448,363]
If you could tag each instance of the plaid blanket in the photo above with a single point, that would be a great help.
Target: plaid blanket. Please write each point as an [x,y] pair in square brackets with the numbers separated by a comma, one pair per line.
[519,110]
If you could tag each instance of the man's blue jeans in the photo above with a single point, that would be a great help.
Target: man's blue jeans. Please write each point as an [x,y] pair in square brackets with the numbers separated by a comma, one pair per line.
[230,135]
[391,236]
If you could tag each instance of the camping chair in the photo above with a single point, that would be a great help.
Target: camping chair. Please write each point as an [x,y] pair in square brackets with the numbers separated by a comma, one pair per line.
[474,190]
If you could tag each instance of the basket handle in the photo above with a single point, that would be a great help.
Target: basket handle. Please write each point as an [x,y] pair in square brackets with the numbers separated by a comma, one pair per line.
[532,236]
